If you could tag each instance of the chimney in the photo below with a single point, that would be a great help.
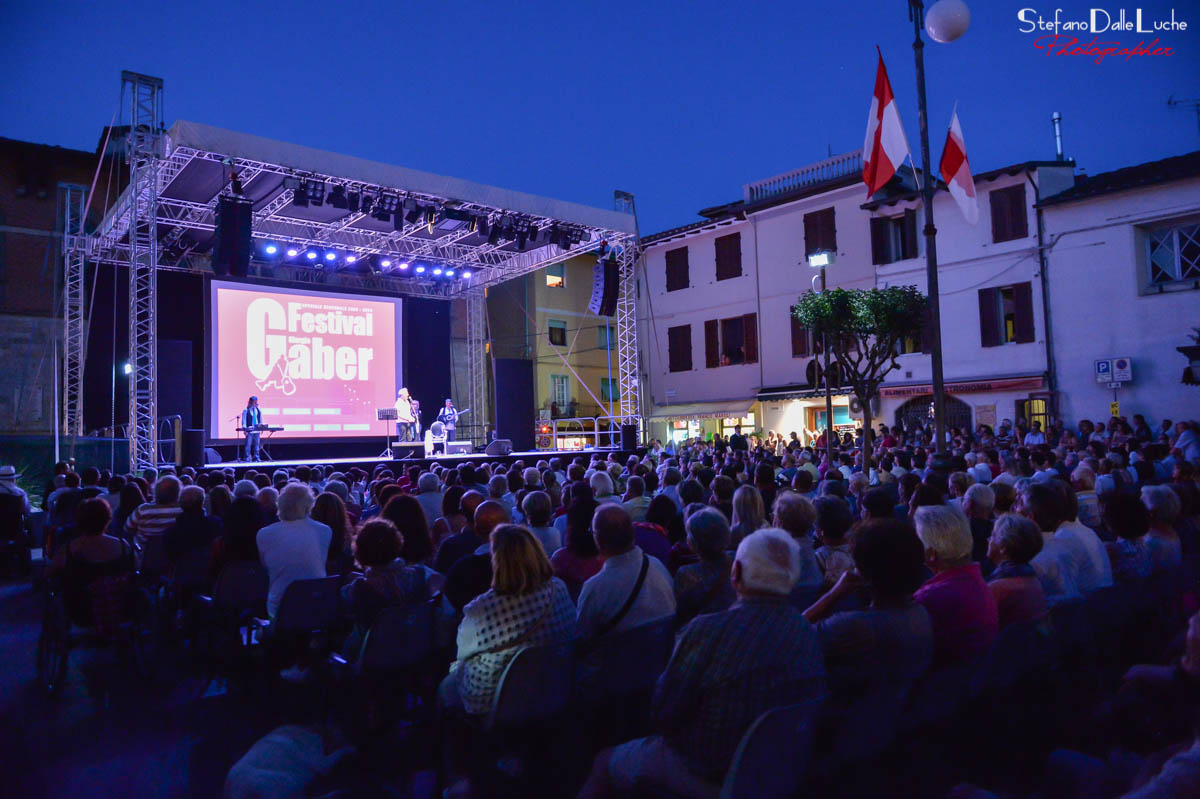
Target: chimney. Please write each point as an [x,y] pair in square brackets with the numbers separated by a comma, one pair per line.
[1056,121]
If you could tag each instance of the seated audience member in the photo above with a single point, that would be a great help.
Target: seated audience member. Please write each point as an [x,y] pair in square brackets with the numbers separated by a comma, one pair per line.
[579,559]
[268,498]
[1093,570]
[97,569]
[977,504]
[1083,480]
[406,513]
[653,538]
[1126,518]
[237,542]
[960,605]
[295,547]
[1056,565]
[926,495]
[1014,584]
[631,587]
[329,510]
[908,483]
[471,576]
[192,529]
[726,670]
[461,544]
[832,524]
[796,515]
[537,509]
[635,502]
[879,651]
[220,498]
[1162,542]
[704,587]
[722,495]
[1005,496]
[452,520]
[386,579]
[153,518]
[526,605]
[748,513]
[878,503]
[429,494]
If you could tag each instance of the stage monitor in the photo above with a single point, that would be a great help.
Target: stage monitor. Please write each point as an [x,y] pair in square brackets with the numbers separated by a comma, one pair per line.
[319,362]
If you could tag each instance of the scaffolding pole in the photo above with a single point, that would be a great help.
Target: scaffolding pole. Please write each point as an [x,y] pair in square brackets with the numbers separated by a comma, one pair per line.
[72,199]
[477,365]
[629,380]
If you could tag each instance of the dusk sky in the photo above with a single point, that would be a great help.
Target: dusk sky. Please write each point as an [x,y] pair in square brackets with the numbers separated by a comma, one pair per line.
[679,103]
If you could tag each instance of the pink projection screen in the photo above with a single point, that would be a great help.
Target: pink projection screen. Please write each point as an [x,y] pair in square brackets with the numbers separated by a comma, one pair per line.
[320,363]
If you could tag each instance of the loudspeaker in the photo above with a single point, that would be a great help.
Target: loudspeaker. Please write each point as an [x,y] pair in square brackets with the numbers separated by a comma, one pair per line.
[211,455]
[231,241]
[193,447]
[629,437]
[514,402]
[605,287]
[501,446]
[458,447]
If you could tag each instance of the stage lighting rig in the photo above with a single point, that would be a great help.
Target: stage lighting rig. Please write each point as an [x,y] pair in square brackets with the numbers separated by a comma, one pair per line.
[315,189]
[353,201]
[337,197]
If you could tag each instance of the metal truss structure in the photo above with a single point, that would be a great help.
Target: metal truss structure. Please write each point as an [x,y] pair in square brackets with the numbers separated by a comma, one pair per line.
[72,200]
[166,218]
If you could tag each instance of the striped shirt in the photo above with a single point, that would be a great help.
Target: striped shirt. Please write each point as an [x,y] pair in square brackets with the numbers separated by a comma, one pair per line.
[151,519]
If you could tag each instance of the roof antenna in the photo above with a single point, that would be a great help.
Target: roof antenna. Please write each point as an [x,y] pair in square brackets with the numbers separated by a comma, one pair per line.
[1056,121]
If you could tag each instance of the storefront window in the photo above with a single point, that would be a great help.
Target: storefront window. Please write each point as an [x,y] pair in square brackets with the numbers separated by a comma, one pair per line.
[746,422]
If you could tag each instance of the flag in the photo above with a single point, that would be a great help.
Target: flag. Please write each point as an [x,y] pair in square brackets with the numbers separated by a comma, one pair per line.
[885,147]
[956,171]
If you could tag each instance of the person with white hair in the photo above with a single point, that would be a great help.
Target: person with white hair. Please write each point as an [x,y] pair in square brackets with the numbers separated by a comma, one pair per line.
[713,688]
[268,499]
[978,504]
[602,487]
[429,494]
[244,488]
[295,547]
[961,608]
[1162,542]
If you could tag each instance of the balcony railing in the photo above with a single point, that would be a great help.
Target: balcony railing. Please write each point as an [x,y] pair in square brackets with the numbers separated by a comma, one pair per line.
[835,168]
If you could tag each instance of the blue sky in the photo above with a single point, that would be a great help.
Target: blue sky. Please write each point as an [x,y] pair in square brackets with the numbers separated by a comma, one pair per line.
[680,103]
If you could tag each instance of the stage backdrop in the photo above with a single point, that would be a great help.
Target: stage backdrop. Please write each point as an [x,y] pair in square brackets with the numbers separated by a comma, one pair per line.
[320,363]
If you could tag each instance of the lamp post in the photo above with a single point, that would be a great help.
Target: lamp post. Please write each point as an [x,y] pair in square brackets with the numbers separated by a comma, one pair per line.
[945,22]
[820,260]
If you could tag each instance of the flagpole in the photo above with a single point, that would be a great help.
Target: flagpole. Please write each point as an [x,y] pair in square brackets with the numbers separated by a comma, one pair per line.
[916,13]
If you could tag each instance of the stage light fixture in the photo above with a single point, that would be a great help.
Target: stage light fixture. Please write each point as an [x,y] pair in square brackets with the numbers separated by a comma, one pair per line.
[420,270]
[270,249]
[386,263]
[397,222]
[337,197]
[127,368]
[449,273]
[430,214]
[353,202]
[316,192]
[292,252]
[482,227]
[522,237]
[310,255]
[389,203]
[292,183]
[404,264]
[437,270]
[351,259]
[331,256]
[533,232]
[494,235]
[466,273]
[300,194]
[413,215]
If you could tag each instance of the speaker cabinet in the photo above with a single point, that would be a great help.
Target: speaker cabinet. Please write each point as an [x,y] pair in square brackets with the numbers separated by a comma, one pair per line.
[193,448]
[629,437]
[501,446]
[231,242]
[605,287]
[458,447]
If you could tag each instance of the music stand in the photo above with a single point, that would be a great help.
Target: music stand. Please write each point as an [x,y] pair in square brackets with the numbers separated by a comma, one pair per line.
[386,415]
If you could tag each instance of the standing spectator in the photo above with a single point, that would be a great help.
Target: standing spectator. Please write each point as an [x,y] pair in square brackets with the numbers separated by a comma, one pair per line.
[726,670]
[1014,584]
[295,547]
[153,518]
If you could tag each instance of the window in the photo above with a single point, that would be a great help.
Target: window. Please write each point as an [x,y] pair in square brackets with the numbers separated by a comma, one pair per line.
[1010,218]
[679,348]
[730,424]
[894,238]
[558,333]
[732,341]
[729,256]
[677,269]
[607,336]
[1173,254]
[802,339]
[560,391]
[1006,315]
[820,234]
[609,392]
[556,276]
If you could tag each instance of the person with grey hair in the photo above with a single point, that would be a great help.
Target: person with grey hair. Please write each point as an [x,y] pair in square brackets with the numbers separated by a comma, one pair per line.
[1014,584]
[268,498]
[635,502]
[538,510]
[497,487]
[602,488]
[153,518]
[671,478]
[712,689]
[244,488]
[295,547]
[704,587]
[977,505]
[960,606]
[192,529]
[795,514]
[631,587]
[429,494]
[1162,542]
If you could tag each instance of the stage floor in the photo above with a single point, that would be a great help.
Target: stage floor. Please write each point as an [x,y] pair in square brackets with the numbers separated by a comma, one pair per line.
[450,460]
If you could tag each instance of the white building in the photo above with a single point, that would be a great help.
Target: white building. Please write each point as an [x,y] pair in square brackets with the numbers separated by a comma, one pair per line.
[719,344]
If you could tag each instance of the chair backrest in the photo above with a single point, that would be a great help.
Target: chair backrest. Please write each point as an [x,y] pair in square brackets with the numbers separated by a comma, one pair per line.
[535,685]
[1072,625]
[64,507]
[629,662]
[400,638]
[242,584]
[12,517]
[1019,650]
[191,570]
[309,606]
[154,555]
[772,758]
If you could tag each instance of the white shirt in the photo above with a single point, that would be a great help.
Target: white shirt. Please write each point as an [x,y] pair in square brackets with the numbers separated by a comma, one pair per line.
[11,488]
[981,472]
[605,593]
[1055,570]
[1093,568]
[1032,438]
[295,550]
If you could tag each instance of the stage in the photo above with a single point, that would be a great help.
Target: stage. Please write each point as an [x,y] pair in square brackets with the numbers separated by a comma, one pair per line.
[396,464]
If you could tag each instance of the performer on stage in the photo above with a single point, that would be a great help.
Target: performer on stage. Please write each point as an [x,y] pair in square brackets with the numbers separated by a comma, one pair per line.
[251,418]
[448,416]
[406,416]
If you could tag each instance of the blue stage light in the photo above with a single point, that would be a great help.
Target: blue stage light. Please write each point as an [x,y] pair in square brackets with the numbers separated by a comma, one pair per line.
[292,252]
[404,264]
[449,273]
[466,273]
[420,270]
[310,255]
[437,270]
[351,259]
[331,256]
[271,249]
[386,263]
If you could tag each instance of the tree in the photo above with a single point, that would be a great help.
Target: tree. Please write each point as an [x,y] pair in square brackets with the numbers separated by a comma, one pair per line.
[864,328]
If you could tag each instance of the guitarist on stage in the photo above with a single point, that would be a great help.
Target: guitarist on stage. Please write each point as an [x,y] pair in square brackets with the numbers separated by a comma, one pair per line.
[448,416]
[251,419]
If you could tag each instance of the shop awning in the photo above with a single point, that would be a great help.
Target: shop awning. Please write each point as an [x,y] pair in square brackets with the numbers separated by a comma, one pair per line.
[794,391]
[729,409]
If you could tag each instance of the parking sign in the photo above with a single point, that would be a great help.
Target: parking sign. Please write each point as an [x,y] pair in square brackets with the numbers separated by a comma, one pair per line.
[1104,370]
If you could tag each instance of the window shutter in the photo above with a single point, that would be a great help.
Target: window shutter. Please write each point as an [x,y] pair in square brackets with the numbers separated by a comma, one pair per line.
[1018,221]
[999,216]
[820,232]
[989,320]
[879,240]
[799,338]
[679,348]
[1023,312]
[910,234]
[828,230]
[729,256]
[677,269]
[712,344]
[750,332]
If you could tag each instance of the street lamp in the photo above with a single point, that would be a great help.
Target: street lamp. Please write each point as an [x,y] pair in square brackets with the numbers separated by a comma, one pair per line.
[946,21]
[820,260]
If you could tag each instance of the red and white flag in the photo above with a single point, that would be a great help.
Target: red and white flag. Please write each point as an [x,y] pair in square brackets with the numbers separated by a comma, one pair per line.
[956,171]
[886,146]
